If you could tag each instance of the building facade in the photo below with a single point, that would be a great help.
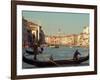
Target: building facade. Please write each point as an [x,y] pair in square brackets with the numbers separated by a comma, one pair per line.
[29,29]
[81,39]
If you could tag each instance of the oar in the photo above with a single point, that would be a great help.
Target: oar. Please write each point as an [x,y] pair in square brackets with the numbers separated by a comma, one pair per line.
[54,63]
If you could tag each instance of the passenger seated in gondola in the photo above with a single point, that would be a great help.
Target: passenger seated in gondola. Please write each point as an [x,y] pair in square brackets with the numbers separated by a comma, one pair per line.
[51,57]
[40,49]
[76,55]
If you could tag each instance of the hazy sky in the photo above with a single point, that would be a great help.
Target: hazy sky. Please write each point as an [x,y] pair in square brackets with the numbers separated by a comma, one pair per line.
[52,22]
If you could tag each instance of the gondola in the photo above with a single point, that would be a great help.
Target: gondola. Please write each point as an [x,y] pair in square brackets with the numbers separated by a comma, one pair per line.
[30,52]
[52,63]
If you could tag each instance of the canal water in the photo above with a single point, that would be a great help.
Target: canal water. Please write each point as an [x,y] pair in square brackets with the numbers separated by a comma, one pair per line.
[61,53]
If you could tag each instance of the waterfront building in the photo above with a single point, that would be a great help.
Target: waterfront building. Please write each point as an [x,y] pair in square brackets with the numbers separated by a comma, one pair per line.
[34,32]
[35,28]
[83,38]
[67,40]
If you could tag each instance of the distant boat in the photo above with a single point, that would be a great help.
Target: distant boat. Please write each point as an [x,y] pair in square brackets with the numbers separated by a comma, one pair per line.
[52,46]
[56,46]
[71,47]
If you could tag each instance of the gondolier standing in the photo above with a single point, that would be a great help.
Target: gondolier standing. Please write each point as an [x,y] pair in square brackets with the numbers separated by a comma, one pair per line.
[41,41]
[35,51]
[38,47]
[76,55]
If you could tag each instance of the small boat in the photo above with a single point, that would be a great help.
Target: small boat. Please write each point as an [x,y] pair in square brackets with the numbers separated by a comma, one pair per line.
[54,63]
[56,46]
[71,47]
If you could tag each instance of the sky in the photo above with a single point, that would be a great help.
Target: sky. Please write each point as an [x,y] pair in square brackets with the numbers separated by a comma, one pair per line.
[54,22]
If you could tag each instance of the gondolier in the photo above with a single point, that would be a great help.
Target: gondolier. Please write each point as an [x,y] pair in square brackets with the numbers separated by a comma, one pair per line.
[35,51]
[76,55]
[41,36]
[41,41]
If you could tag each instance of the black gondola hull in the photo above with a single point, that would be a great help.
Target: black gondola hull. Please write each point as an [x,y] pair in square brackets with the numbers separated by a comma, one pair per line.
[53,63]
